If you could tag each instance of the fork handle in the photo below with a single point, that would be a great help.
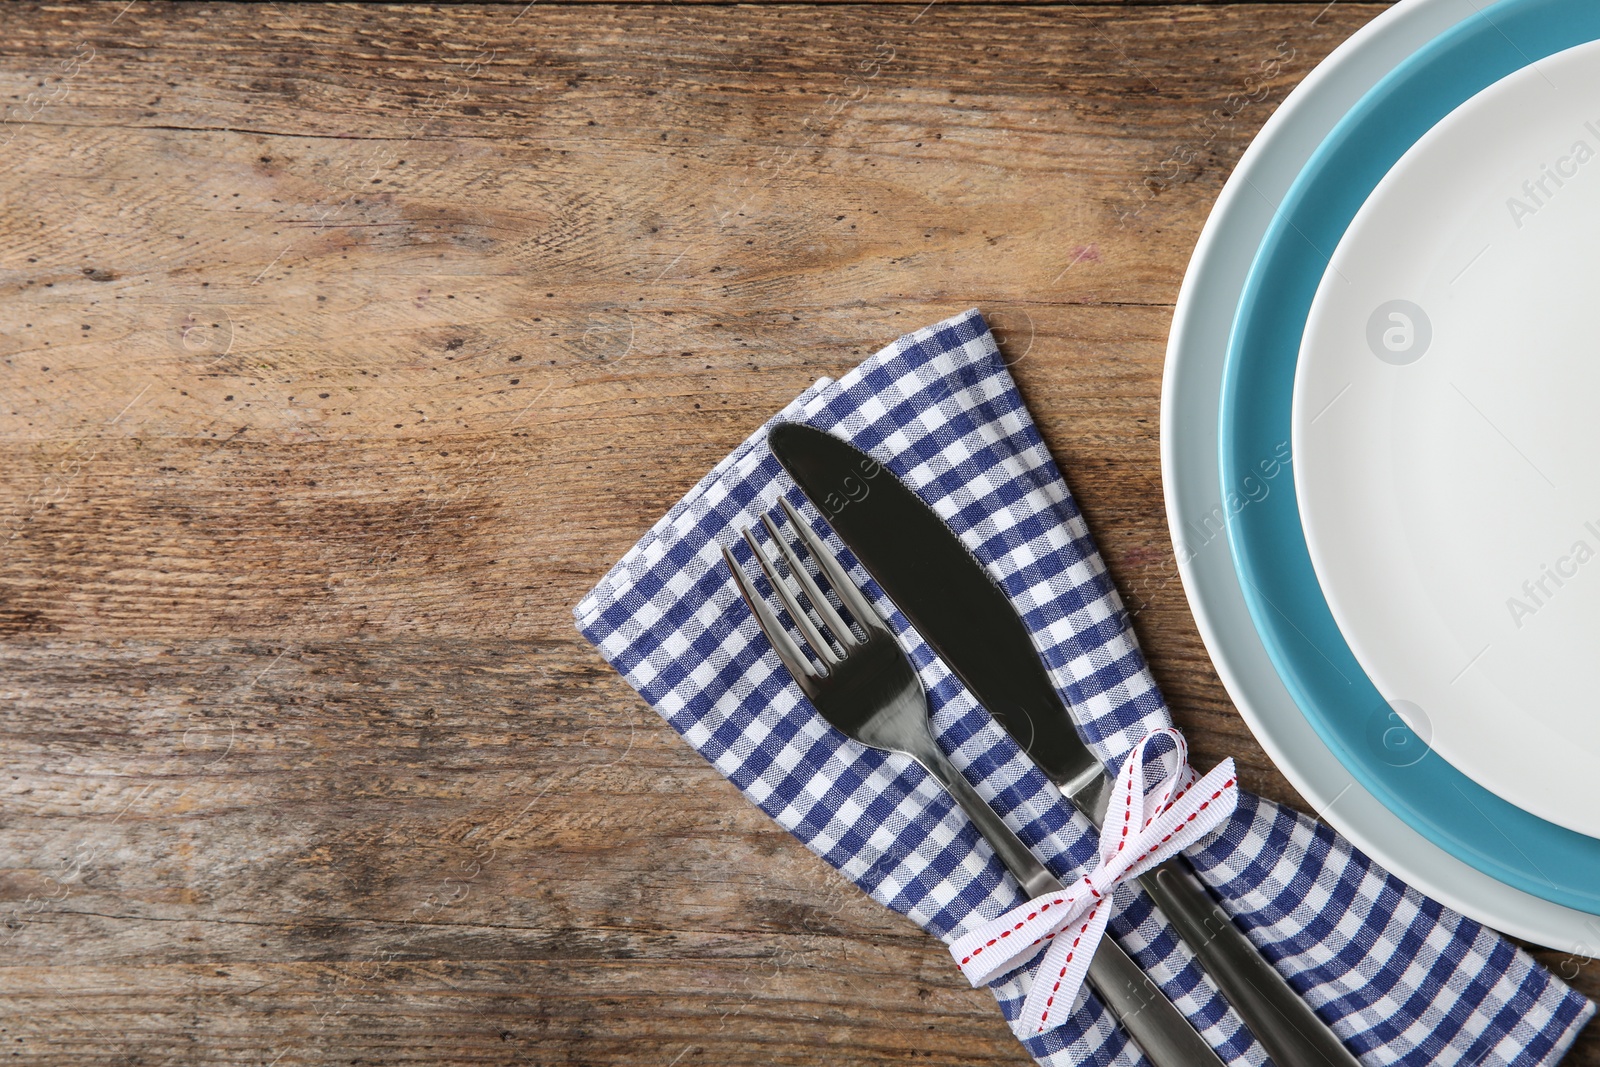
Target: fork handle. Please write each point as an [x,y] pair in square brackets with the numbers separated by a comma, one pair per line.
[1024,866]
[1156,1025]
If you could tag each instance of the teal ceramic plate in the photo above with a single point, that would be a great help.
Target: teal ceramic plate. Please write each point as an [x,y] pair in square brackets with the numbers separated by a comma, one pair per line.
[1191,393]
[1265,536]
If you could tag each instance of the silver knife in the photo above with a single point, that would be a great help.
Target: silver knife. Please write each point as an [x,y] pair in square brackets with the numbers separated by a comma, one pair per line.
[970,622]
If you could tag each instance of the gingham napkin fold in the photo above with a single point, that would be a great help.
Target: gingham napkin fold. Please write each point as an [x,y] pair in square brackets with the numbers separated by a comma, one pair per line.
[1401,978]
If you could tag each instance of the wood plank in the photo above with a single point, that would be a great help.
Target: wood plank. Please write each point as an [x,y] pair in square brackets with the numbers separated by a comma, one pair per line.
[343,350]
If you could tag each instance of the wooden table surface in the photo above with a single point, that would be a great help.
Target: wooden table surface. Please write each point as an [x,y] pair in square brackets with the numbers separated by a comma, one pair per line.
[344,348]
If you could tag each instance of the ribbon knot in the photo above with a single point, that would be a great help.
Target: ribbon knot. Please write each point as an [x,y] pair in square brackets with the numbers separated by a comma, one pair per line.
[1143,827]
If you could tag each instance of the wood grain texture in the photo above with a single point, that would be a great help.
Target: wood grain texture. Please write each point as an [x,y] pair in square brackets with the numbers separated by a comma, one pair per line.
[344,348]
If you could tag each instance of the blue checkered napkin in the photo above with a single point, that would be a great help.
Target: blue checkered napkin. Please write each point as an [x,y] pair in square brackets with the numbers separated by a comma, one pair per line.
[1402,979]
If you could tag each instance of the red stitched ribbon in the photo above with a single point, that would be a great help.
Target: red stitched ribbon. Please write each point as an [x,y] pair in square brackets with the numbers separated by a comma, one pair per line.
[1142,828]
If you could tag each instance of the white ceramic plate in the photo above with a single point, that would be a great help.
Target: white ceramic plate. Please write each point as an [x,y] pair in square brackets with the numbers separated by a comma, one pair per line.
[1194,495]
[1447,437]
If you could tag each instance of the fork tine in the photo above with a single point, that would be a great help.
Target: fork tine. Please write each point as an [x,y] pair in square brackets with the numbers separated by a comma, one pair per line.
[853,598]
[830,618]
[805,675]
[819,644]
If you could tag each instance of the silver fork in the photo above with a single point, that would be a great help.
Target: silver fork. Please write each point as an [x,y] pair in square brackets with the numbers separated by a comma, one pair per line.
[868,690]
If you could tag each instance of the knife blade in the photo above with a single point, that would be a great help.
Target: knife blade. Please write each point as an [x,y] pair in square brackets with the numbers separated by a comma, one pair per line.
[969,621]
[929,573]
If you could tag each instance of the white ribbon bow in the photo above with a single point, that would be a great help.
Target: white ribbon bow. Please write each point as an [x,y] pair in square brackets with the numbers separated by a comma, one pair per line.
[1140,831]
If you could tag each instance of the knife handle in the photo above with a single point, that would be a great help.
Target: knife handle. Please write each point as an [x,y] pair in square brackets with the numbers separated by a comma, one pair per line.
[1292,1034]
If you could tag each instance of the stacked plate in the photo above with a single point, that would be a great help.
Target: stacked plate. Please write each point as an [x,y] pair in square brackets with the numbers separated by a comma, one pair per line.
[1381,447]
